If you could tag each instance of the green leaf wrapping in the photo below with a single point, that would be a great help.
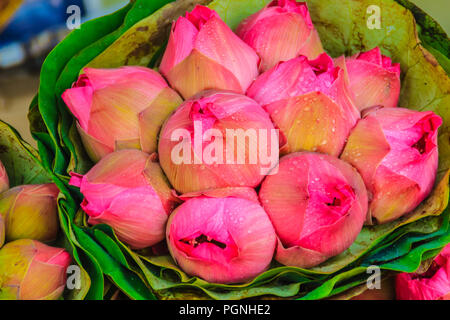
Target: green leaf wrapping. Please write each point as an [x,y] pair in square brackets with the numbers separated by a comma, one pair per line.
[21,161]
[136,35]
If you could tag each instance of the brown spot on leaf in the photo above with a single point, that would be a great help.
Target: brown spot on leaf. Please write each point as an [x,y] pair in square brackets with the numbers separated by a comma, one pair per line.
[142,50]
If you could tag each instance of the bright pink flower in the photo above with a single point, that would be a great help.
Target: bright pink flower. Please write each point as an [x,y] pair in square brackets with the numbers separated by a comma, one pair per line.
[203,53]
[309,102]
[30,270]
[4,181]
[120,108]
[373,79]
[317,204]
[283,30]
[204,144]
[222,237]
[396,152]
[431,285]
[128,191]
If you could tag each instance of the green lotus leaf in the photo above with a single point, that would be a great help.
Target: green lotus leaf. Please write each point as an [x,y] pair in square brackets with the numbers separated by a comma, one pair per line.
[21,161]
[432,35]
[140,43]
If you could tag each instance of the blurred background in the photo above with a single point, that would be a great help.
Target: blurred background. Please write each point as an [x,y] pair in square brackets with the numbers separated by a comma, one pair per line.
[29,29]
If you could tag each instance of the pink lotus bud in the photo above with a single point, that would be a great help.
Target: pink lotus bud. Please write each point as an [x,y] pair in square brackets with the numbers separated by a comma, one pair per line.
[283,30]
[203,53]
[396,152]
[30,270]
[120,108]
[317,204]
[221,237]
[4,181]
[216,140]
[431,285]
[309,102]
[128,191]
[373,79]
[30,212]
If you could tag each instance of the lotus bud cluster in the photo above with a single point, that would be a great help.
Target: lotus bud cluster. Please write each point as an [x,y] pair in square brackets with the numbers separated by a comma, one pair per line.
[283,30]
[396,152]
[217,194]
[30,270]
[120,109]
[223,237]
[30,212]
[128,191]
[317,204]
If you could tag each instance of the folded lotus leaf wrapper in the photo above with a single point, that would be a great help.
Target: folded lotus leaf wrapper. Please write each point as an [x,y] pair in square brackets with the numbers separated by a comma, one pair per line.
[137,35]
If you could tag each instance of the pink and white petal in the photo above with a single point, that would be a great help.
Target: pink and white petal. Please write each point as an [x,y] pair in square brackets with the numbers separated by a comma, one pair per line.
[284,196]
[137,216]
[79,101]
[152,119]
[394,196]
[312,48]
[236,192]
[95,149]
[198,73]
[341,93]
[127,144]
[366,148]
[158,181]
[103,78]
[373,56]
[282,81]
[331,179]
[229,51]
[297,256]
[98,197]
[122,168]
[278,38]
[372,85]
[399,119]
[311,122]
[408,162]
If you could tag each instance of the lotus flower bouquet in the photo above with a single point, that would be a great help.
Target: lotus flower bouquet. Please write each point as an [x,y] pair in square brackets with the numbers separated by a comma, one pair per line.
[243,148]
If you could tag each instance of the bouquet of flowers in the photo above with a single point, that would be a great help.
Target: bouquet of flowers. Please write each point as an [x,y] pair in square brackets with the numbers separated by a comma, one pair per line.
[230,149]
